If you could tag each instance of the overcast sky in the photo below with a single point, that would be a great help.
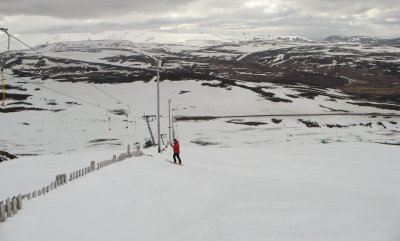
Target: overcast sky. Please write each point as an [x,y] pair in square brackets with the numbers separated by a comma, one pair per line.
[313,19]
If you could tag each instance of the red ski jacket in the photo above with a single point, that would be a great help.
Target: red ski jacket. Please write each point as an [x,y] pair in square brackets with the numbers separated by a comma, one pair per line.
[176,147]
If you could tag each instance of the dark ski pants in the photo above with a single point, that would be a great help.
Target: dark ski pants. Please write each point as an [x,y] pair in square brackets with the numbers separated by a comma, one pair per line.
[177,155]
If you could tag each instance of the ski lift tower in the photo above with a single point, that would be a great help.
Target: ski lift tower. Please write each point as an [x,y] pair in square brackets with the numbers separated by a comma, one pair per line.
[5,30]
[158,105]
[2,61]
[158,62]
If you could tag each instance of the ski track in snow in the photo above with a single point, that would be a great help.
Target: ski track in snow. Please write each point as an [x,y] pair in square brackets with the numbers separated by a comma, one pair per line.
[281,192]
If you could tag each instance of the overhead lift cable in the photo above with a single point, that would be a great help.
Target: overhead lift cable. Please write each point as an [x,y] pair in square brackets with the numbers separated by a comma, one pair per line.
[99,89]
[61,93]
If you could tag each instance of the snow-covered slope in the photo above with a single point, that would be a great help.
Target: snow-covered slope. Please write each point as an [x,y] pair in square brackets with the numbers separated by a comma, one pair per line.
[280,192]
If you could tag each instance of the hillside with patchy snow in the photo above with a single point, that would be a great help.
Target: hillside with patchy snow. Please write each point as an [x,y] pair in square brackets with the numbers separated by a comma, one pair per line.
[271,77]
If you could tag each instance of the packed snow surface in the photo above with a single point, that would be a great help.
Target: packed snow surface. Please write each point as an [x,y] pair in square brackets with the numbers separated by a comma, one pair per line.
[334,191]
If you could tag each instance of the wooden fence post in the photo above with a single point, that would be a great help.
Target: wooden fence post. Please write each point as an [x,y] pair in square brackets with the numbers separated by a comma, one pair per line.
[19,202]
[2,212]
[8,208]
[61,179]
[137,152]
[14,205]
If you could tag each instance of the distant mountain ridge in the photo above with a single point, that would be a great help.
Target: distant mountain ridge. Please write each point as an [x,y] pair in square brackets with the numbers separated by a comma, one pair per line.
[363,39]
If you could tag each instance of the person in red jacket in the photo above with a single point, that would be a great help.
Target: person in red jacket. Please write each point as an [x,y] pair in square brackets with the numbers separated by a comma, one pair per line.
[176,151]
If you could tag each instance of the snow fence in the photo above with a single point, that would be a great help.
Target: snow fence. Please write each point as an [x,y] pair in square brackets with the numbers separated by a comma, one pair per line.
[11,206]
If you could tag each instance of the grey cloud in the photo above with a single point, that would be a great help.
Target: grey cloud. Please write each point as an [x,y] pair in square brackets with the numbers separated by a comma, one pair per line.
[310,18]
[102,26]
[85,9]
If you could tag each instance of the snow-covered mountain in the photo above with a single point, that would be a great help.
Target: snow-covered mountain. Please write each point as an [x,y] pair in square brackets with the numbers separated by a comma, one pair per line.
[357,39]
[206,78]
[364,39]
[364,72]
